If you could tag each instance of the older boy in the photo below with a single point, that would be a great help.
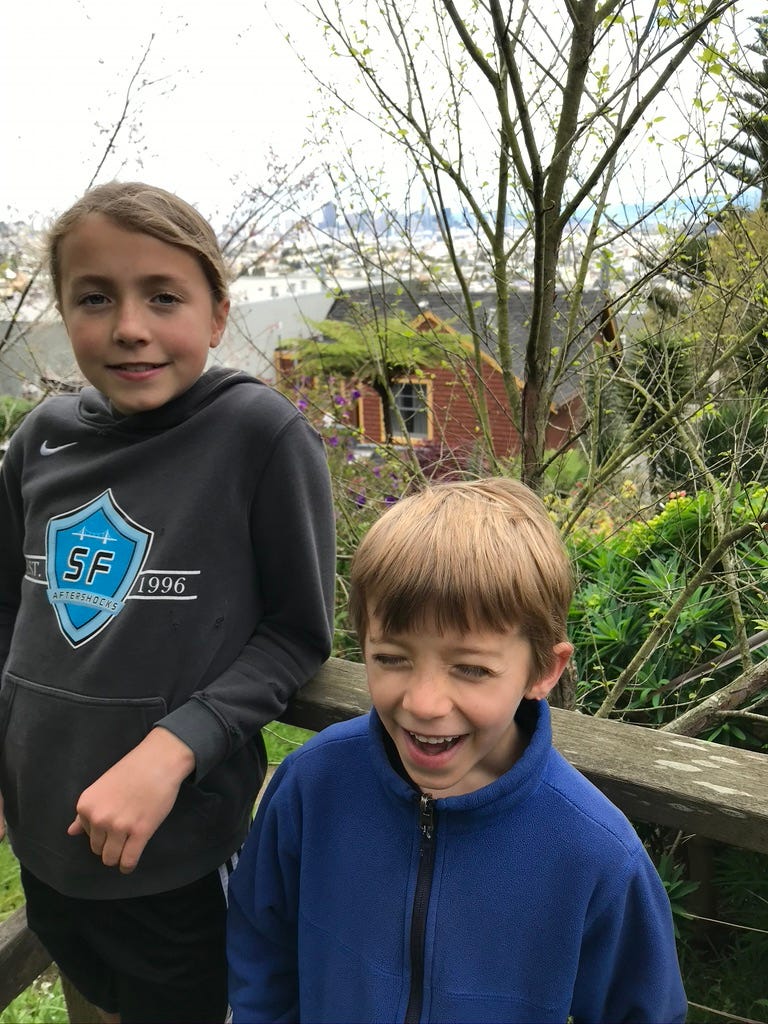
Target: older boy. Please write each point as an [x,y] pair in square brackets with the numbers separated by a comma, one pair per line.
[437,860]
[167,563]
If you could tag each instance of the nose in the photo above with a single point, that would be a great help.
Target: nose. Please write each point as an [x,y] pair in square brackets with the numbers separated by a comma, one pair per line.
[427,696]
[130,326]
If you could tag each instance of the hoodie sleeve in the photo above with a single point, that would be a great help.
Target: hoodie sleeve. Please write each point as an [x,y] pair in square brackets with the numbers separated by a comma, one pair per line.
[11,552]
[628,969]
[262,919]
[293,519]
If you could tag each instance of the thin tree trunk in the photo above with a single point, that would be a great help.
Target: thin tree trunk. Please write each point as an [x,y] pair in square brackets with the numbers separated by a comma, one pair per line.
[707,714]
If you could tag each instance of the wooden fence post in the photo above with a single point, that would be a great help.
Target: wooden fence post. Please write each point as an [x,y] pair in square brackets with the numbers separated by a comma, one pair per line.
[79,1010]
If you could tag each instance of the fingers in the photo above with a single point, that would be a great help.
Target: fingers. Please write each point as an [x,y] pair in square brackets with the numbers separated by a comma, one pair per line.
[131,852]
[109,845]
[98,839]
[111,848]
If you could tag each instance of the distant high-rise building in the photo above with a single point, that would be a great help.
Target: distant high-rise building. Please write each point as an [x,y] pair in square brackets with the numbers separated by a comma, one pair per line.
[329,216]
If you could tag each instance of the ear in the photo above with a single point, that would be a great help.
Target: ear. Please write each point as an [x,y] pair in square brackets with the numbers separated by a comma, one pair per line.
[220,314]
[540,689]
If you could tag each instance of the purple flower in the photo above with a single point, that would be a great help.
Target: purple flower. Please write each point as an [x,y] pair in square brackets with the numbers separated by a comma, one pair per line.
[390,500]
[340,400]
[360,500]
[377,471]
[355,395]
[302,404]
[333,441]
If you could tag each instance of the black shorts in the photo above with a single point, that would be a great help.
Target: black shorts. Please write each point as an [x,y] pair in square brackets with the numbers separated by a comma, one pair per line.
[158,958]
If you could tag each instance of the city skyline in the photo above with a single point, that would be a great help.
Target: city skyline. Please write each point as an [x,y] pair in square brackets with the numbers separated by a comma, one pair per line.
[219,86]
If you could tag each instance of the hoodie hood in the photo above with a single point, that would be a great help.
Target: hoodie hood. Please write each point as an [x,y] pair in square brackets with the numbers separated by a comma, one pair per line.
[95,410]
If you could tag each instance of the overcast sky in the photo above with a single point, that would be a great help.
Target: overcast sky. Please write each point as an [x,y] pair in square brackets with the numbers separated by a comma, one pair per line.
[221,86]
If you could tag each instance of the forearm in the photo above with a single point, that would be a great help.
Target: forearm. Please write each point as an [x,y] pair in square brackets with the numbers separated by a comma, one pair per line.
[122,810]
[170,755]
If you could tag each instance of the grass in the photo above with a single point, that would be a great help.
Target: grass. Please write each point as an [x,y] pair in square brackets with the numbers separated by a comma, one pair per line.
[43,1001]
[10,887]
[281,739]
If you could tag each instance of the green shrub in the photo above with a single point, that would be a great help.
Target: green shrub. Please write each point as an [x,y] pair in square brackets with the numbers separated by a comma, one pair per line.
[628,575]
[12,412]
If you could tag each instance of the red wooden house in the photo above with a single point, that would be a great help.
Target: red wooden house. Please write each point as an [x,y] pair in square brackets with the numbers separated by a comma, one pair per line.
[437,405]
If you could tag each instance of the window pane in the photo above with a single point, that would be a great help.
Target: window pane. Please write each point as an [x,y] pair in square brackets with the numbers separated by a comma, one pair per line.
[411,400]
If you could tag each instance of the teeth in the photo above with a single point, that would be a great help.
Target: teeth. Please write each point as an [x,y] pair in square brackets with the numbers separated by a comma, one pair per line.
[433,739]
[137,367]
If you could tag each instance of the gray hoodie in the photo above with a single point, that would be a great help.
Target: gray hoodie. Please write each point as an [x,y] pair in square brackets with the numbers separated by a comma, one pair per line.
[172,568]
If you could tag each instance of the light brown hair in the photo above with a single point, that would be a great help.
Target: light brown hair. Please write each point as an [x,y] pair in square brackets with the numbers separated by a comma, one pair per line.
[466,555]
[149,210]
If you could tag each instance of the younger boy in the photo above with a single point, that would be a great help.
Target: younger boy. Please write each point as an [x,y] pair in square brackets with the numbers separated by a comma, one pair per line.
[437,860]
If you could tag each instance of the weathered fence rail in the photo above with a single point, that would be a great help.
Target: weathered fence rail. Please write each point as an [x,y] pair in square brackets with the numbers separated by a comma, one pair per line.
[701,788]
[22,958]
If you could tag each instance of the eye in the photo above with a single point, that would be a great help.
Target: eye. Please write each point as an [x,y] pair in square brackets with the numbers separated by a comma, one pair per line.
[92,299]
[388,660]
[473,671]
[166,299]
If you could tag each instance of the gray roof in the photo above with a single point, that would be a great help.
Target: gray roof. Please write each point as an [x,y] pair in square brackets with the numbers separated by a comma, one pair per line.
[450,308]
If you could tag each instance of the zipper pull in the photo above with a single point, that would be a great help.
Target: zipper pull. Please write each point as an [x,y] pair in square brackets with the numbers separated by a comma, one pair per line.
[427,815]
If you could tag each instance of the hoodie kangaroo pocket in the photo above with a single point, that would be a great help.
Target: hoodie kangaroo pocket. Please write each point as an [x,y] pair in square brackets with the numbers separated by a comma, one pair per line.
[53,745]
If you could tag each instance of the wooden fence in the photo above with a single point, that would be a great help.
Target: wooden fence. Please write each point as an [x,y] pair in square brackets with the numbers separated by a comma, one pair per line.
[701,788]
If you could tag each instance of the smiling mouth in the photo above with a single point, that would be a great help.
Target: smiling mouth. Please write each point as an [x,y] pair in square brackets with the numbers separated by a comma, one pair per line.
[433,744]
[136,367]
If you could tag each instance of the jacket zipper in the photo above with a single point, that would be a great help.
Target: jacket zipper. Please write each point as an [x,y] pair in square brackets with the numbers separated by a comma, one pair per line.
[420,905]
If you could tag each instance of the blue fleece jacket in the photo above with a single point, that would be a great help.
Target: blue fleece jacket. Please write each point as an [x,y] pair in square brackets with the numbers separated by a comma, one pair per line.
[531,900]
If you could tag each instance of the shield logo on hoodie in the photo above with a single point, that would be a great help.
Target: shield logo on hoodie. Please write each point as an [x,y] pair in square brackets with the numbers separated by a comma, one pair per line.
[93,556]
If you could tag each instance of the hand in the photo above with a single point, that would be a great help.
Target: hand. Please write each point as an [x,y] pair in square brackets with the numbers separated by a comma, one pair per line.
[123,808]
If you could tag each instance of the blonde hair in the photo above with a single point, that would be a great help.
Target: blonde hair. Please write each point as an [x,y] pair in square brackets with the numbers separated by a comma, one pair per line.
[466,555]
[149,210]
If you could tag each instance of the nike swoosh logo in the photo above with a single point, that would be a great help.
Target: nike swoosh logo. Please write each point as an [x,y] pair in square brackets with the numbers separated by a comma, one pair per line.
[47,449]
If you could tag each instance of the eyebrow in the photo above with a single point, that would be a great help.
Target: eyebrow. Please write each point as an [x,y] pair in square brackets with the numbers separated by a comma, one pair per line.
[102,281]
[472,652]
[459,650]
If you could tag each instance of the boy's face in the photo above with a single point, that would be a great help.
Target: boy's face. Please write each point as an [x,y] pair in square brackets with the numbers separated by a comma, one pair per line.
[139,313]
[449,701]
